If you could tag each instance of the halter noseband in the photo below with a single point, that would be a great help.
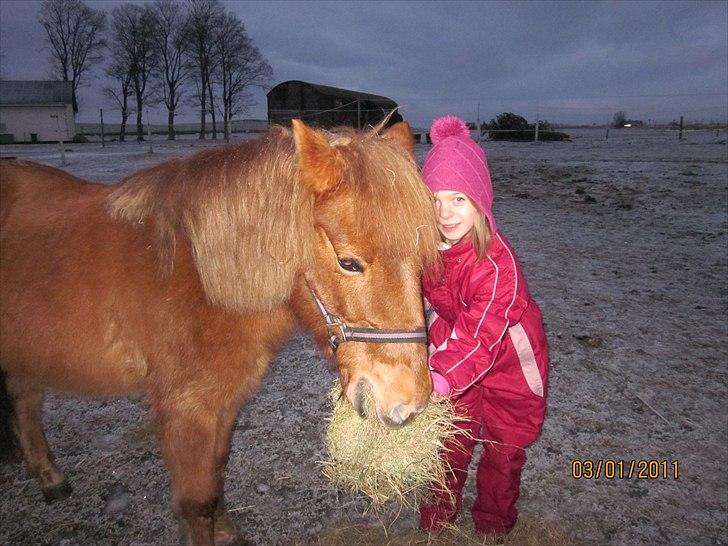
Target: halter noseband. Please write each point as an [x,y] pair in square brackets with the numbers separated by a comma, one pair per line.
[338,331]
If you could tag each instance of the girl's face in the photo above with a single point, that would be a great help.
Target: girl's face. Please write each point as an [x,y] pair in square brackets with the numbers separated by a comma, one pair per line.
[455,214]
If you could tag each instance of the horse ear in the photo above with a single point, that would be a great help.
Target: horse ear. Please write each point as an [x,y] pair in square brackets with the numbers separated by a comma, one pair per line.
[320,163]
[402,133]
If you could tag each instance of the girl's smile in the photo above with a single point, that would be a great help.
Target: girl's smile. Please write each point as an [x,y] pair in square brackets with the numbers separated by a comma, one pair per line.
[456,215]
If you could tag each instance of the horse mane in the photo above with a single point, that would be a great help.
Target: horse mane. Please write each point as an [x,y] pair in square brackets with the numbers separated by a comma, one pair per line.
[249,216]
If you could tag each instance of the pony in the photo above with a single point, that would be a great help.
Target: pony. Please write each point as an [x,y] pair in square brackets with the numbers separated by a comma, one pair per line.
[181,283]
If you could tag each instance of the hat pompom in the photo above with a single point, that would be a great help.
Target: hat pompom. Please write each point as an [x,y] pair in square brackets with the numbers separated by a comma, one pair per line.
[446,127]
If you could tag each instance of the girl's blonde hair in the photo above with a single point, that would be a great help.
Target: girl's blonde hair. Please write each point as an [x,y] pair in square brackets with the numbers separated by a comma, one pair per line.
[480,234]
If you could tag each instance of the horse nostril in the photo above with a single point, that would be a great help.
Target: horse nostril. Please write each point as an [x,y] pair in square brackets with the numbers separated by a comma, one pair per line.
[400,414]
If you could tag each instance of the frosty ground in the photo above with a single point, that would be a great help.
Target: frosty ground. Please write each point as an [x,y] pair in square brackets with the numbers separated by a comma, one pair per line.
[624,244]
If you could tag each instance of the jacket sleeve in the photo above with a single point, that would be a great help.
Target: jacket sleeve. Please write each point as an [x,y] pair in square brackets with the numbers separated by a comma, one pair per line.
[438,330]
[480,327]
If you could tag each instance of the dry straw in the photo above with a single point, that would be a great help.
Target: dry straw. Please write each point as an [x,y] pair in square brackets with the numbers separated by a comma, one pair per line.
[364,456]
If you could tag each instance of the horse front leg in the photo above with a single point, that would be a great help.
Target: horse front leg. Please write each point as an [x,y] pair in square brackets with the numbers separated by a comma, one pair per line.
[225,531]
[27,404]
[188,433]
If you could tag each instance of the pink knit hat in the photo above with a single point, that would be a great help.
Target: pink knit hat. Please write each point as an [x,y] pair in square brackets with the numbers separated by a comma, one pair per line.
[457,163]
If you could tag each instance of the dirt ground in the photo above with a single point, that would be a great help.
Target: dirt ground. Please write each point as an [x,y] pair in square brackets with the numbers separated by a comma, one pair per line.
[625,247]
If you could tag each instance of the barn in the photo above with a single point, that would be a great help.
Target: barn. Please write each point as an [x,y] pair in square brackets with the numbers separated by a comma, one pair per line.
[36,111]
[326,106]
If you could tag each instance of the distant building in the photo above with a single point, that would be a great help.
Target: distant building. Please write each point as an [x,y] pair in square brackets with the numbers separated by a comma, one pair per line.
[326,106]
[36,111]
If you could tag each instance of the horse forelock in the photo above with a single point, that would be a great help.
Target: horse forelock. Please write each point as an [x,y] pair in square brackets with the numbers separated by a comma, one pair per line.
[394,207]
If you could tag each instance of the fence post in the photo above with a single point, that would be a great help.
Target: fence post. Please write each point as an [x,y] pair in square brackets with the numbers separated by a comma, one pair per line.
[149,133]
[103,143]
[535,133]
[478,122]
[679,137]
[60,140]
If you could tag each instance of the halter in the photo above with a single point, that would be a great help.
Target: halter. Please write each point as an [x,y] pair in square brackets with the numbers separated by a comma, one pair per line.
[338,331]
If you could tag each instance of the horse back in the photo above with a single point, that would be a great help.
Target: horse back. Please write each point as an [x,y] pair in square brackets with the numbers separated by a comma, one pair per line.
[27,187]
[85,306]
[62,318]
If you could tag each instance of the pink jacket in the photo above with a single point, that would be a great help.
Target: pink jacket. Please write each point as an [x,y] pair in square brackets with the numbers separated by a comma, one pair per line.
[477,308]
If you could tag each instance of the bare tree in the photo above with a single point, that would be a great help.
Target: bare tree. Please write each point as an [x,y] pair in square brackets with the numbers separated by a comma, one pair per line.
[202,19]
[239,66]
[75,36]
[132,28]
[170,44]
[211,93]
[121,69]
[122,90]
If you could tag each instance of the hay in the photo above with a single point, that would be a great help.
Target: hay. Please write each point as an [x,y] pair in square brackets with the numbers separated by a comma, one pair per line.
[388,465]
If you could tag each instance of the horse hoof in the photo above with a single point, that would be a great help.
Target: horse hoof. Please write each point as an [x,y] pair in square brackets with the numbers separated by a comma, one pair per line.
[57,492]
[226,534]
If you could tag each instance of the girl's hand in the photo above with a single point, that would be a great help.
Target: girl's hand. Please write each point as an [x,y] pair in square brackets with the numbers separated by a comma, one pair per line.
[439,384]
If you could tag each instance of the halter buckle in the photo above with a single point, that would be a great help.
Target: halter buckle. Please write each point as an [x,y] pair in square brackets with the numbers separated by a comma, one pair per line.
[336,330]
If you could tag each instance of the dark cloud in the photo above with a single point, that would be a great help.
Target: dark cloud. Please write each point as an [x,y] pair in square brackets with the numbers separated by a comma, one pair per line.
[567,61]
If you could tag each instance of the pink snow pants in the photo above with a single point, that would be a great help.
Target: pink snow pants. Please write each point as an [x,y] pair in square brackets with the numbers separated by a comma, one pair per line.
[507,414]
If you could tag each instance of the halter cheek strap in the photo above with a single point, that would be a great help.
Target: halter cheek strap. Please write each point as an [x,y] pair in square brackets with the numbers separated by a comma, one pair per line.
[338,331]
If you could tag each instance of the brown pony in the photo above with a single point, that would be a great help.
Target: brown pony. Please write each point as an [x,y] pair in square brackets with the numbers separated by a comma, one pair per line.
[184,280]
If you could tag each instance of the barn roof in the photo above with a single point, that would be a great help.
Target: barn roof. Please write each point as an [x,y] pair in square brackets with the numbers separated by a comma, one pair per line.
[35,92]
[338,92]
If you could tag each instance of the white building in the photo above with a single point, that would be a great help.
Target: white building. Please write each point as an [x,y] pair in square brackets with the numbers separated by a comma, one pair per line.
[36,111]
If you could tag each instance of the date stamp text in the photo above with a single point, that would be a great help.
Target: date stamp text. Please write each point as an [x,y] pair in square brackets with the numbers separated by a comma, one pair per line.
[621,469]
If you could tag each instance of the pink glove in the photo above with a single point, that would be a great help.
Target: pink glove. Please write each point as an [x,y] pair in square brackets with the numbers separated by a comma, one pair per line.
[439,384]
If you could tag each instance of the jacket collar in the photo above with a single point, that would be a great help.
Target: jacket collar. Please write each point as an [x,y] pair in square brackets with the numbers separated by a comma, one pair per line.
[458,250]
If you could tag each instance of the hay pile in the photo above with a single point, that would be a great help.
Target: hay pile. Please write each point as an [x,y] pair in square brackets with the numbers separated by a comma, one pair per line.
[383,464]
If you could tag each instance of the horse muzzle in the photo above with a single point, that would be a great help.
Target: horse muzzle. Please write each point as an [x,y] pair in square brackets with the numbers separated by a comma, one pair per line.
[398,416]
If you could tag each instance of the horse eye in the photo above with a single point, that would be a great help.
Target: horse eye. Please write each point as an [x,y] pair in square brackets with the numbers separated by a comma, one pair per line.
[350,264]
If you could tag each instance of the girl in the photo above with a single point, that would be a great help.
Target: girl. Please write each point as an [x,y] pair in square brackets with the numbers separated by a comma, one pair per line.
[488,351]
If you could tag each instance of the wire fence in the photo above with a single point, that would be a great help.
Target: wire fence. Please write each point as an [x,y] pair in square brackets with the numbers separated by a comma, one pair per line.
[542,124]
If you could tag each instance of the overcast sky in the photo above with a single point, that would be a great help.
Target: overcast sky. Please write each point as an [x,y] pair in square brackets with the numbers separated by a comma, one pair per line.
[568,62]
